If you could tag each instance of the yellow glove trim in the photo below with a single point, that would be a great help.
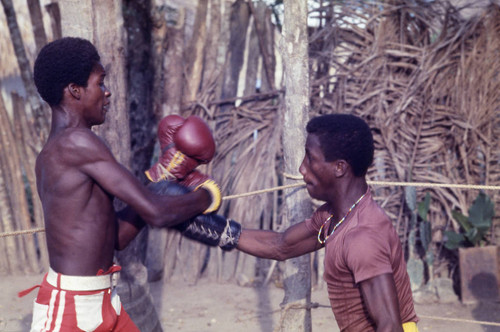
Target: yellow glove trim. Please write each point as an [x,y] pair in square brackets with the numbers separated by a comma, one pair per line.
[177,159]
[149,176]
[410,327]
[215,193]
[162,172]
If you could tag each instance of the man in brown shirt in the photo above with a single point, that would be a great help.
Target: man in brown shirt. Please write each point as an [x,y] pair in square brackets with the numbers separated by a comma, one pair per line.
[365,271]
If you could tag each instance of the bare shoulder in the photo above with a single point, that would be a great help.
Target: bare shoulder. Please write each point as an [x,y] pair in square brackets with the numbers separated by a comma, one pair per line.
[86,143]
[71,155]
[75,146]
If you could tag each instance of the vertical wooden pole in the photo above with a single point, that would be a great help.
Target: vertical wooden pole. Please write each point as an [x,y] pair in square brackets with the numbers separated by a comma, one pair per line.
[296,316]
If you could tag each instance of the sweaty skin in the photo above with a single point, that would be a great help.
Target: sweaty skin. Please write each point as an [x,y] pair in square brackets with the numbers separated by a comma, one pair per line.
[78,179]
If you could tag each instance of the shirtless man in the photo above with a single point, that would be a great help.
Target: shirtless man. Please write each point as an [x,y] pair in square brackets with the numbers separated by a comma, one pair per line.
[77,181]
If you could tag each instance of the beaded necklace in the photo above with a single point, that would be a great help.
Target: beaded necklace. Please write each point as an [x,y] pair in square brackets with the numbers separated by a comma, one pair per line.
[338,223]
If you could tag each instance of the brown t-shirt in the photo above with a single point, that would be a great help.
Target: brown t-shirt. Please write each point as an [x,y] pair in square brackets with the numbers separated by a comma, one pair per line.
[364,246]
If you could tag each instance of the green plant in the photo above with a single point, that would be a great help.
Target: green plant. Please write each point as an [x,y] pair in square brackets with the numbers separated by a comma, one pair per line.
[474,228]
[425,229]
[419,225]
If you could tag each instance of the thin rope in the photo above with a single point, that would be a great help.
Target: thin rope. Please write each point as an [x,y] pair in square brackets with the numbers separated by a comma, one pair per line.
[302,184]
[26,231]
[416,184]
[262,191]
[433,185]
[461,320]
[295,306]
[314,305]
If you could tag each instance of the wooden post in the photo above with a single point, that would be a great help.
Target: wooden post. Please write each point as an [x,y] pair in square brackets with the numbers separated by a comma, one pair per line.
[296,315]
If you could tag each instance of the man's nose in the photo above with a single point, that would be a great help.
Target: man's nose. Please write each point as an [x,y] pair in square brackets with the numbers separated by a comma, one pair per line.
[302,168]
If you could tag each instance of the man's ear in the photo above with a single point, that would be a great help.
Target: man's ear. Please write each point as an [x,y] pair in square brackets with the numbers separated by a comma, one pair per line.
[74,90]
[340,167]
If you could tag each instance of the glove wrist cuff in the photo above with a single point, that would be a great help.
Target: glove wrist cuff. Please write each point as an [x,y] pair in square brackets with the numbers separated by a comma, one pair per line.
[231,235]
[214,191]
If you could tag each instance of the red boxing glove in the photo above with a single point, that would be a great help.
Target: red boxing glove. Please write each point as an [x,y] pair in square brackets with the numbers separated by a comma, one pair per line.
[185,144]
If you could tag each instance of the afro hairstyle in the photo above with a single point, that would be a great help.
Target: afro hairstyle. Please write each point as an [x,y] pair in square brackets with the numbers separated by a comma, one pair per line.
[61,62]
[344,136]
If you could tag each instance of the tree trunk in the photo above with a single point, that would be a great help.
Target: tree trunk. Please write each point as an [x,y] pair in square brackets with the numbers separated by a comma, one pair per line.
[140,85]
[173,68]
[240,16]
[18,168]
[213,44]
[37,23]
[296,315]
[261,17]
[252,58]
[55,19]
[167,58]
[160,40]
[17,200]
[13,256]
[267,29]
[23,131]
[40,112]
[194,53]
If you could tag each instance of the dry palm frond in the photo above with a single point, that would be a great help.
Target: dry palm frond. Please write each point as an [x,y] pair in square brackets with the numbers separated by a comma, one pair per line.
[246,159]
[427,82]
[425,79]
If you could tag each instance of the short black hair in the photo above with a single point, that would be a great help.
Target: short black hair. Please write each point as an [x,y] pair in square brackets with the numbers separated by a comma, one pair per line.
[61,62]
[344,136]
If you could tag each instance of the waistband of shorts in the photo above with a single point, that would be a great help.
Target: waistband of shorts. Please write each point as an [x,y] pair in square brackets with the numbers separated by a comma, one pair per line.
[81,283]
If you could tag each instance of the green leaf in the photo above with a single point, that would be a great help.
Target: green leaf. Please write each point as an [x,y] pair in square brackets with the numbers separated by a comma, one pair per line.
[413,221]
[429,258]
[411,197]
[481,212]
[425,234]
[412,236]
[423,207]
[453,240]
[461,219]
[473,236]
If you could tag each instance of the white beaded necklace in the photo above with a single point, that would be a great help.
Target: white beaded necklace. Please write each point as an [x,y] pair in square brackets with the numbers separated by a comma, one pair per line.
[338,223]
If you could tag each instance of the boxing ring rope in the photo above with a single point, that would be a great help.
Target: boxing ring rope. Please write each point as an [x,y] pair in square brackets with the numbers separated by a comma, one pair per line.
[23,232]
[302,184]
[372,183]
[314,305]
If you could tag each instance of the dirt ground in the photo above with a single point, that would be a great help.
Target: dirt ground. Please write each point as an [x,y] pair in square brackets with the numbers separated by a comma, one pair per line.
[210,307]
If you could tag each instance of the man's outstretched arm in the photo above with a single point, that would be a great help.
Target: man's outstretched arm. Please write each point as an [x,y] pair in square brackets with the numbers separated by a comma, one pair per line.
[297,240]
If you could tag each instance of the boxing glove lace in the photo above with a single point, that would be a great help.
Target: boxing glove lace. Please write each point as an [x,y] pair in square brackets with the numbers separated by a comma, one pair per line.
[211,229]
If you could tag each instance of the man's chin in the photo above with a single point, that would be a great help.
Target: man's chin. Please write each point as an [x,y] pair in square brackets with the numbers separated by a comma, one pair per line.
[314,195]
[104,115]
[310,191]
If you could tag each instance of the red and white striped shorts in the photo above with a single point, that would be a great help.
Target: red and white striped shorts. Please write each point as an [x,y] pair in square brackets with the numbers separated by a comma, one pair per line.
[73,303]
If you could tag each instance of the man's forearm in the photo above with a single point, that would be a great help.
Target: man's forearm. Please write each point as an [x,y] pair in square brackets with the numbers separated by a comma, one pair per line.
[129,225]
